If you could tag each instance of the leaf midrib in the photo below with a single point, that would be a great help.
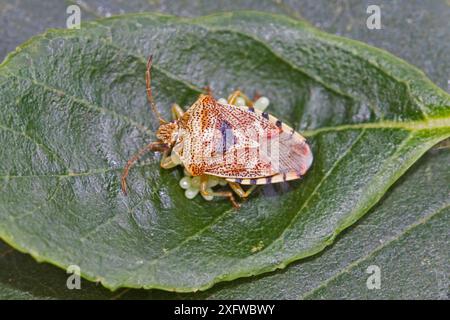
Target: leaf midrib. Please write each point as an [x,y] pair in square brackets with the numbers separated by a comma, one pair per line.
[432,123]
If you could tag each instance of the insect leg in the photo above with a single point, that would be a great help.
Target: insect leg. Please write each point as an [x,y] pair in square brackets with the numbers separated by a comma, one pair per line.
[167,161]
[208,90]
[205,192]
[239,191]
[154,146]
[177,112]
[232,98]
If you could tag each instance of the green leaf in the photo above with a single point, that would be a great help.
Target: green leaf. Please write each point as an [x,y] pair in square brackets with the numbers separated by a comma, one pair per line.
[75,110]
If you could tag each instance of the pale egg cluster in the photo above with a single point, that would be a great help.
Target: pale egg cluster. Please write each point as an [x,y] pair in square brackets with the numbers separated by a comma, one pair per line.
[190,184]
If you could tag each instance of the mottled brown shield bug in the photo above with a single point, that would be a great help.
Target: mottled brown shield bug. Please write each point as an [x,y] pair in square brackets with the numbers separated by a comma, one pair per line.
[238,143]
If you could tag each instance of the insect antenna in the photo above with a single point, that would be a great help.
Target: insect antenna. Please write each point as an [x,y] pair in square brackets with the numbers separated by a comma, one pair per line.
[149,91]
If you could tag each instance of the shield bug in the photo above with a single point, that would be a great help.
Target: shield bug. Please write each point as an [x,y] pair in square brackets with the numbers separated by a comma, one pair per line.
[239,144]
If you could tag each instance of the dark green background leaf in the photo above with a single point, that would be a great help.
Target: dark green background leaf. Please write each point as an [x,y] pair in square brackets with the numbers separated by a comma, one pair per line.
[404,41]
